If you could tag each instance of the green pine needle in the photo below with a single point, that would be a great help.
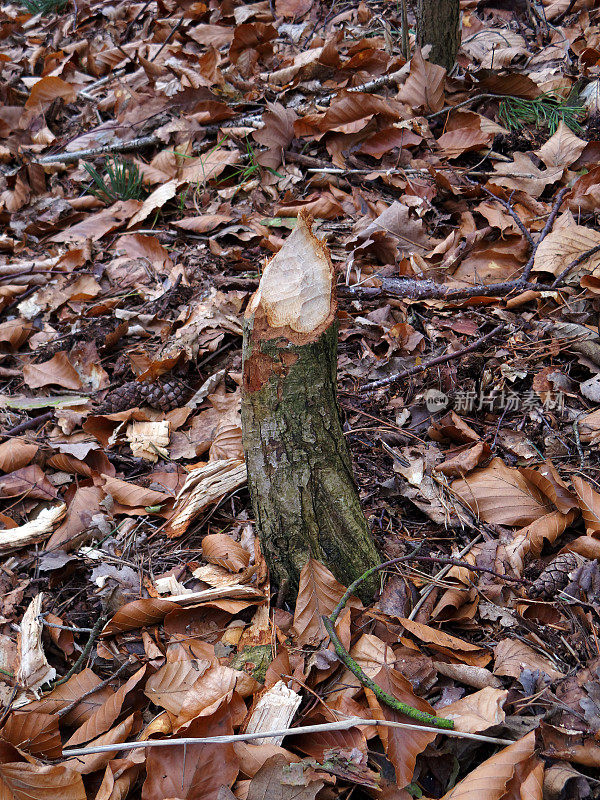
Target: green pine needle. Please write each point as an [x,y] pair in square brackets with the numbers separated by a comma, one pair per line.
[547,110]
[44,7]
[121,180]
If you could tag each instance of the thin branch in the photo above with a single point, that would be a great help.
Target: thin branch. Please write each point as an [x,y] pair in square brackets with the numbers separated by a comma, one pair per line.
[380,694]
[396,376]
[342,725]
[575,263]
[507,205]
[114,147]
[468,101]
[99,624]
[545,231]
[32,422]
[64,711]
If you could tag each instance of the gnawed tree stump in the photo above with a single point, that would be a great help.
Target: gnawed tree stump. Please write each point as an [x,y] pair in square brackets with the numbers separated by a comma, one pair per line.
[299,471]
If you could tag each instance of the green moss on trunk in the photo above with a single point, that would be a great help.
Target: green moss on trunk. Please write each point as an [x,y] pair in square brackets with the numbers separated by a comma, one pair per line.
[300,474]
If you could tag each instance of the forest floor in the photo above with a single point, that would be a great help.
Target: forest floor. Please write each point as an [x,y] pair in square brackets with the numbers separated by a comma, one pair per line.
[153,155]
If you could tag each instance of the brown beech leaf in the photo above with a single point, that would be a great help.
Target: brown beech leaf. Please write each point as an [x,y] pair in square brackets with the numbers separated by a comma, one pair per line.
[29,481]
[318,595]
[277,780]
[218,548]
[34,732]
[445,643]
[48,89]
[424,87]
[97,225]
[562,148]
[478,711]
[84,504]
[512,656]
[132,495]
[86,764]
[276,134]
[564,245]
[57,372]
[23,781]
[589,501]
[571,745]
[514,772]
[252,756]
[529,541]
[188,687]
[171,684]
[106,714]
[502,495]
[16,453]
[139,614]
[202,224]
[196,771]
[135,245]
[120,776]
[522,173]
[69,693]
[401,744]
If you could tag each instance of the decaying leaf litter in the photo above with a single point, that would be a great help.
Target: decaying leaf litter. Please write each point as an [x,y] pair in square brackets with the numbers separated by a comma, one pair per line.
[152,157]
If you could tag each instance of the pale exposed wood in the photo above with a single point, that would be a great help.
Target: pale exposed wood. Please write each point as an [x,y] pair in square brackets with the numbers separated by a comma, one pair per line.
[274,712]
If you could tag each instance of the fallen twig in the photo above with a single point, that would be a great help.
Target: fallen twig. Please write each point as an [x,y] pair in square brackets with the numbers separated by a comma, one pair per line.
[98,625]
[106,149]
[506,204]
[545,231]
[32,422]
[575,263]
[396,376]
[342,725]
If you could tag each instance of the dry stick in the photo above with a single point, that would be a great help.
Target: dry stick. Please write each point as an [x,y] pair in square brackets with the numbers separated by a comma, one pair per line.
[474,99]
[575,263]
[86,650]
[370,387]
[343,725]
[506,204]
[545,231]
[64,711]
[115,147]
[444,571]
[32,422]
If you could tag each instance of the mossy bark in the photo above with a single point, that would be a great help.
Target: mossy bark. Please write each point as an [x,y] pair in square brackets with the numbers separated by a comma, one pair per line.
[299,470]
[438,24]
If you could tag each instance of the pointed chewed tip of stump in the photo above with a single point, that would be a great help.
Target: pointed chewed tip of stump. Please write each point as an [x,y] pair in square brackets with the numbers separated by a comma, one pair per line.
[296,291]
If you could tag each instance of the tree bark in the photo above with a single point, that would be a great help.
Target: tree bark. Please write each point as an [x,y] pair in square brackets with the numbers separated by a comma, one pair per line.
[438,25]
[300,476]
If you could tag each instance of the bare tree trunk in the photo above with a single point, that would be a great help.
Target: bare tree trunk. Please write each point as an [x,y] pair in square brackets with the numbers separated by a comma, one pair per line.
[438,25]
[299,470]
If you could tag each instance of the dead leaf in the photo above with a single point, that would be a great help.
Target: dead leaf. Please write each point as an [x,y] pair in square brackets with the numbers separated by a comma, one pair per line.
[501,495]
[424,87]
[48,89]
[58,372]
[218,548]
[196,771]
[513,772]
[477,712]
[318,594]
[513,656]
[562,149]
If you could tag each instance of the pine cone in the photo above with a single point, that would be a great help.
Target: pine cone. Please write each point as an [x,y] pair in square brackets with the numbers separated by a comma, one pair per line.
[163,395]
[128,395]
[556,576]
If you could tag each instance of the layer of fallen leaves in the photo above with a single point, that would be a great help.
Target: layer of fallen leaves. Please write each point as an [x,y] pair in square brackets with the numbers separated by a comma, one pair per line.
[125,519]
